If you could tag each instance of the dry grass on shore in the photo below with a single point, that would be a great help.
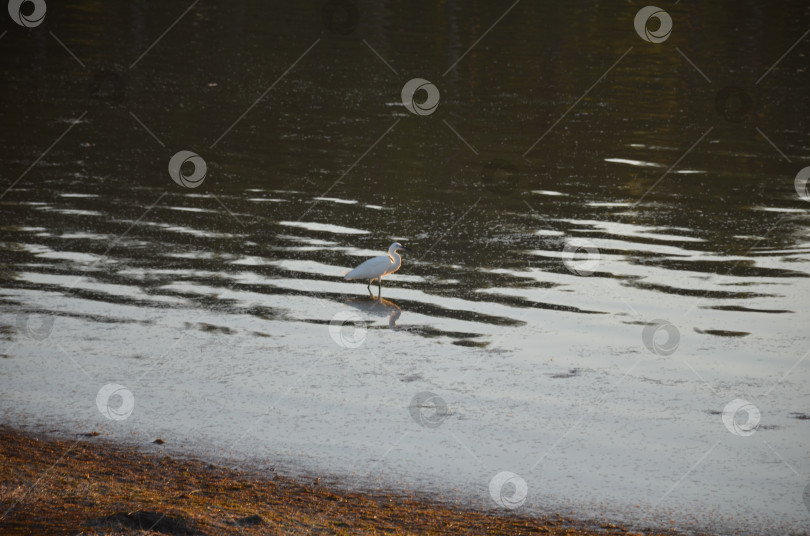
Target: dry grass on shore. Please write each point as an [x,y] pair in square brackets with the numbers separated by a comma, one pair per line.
[50,486]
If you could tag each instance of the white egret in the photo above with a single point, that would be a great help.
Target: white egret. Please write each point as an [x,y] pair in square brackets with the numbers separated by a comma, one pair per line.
[378,267]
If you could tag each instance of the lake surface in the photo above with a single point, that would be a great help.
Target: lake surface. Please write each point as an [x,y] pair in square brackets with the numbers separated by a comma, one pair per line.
[604,311]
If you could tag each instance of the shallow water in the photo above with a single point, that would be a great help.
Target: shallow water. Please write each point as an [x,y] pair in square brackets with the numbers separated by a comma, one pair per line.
[608,248]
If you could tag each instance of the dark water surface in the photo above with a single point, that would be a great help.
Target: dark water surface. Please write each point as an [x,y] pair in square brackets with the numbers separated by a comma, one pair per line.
[575,188]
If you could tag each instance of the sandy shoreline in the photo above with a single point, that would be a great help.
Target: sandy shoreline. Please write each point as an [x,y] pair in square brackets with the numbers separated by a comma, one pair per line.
[92,486]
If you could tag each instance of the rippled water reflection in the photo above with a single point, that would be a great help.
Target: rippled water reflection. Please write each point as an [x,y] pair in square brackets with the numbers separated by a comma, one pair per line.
[464,270]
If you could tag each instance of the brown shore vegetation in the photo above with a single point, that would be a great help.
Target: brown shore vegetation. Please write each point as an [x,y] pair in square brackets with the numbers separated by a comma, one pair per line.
[90,486]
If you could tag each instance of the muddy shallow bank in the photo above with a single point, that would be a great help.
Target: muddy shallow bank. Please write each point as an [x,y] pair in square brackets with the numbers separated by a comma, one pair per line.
[90,486]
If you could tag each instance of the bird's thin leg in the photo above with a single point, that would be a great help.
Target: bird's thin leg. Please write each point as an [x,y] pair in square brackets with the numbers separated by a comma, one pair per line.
[379,288]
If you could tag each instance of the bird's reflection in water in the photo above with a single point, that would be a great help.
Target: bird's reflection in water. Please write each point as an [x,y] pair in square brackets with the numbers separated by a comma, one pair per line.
[378,307]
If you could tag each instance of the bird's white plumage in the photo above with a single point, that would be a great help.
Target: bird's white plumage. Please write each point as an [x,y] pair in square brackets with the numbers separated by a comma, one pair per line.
[374,268]
[378,267]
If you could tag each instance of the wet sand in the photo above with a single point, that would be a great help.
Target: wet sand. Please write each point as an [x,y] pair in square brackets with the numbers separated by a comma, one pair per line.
[91,486]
